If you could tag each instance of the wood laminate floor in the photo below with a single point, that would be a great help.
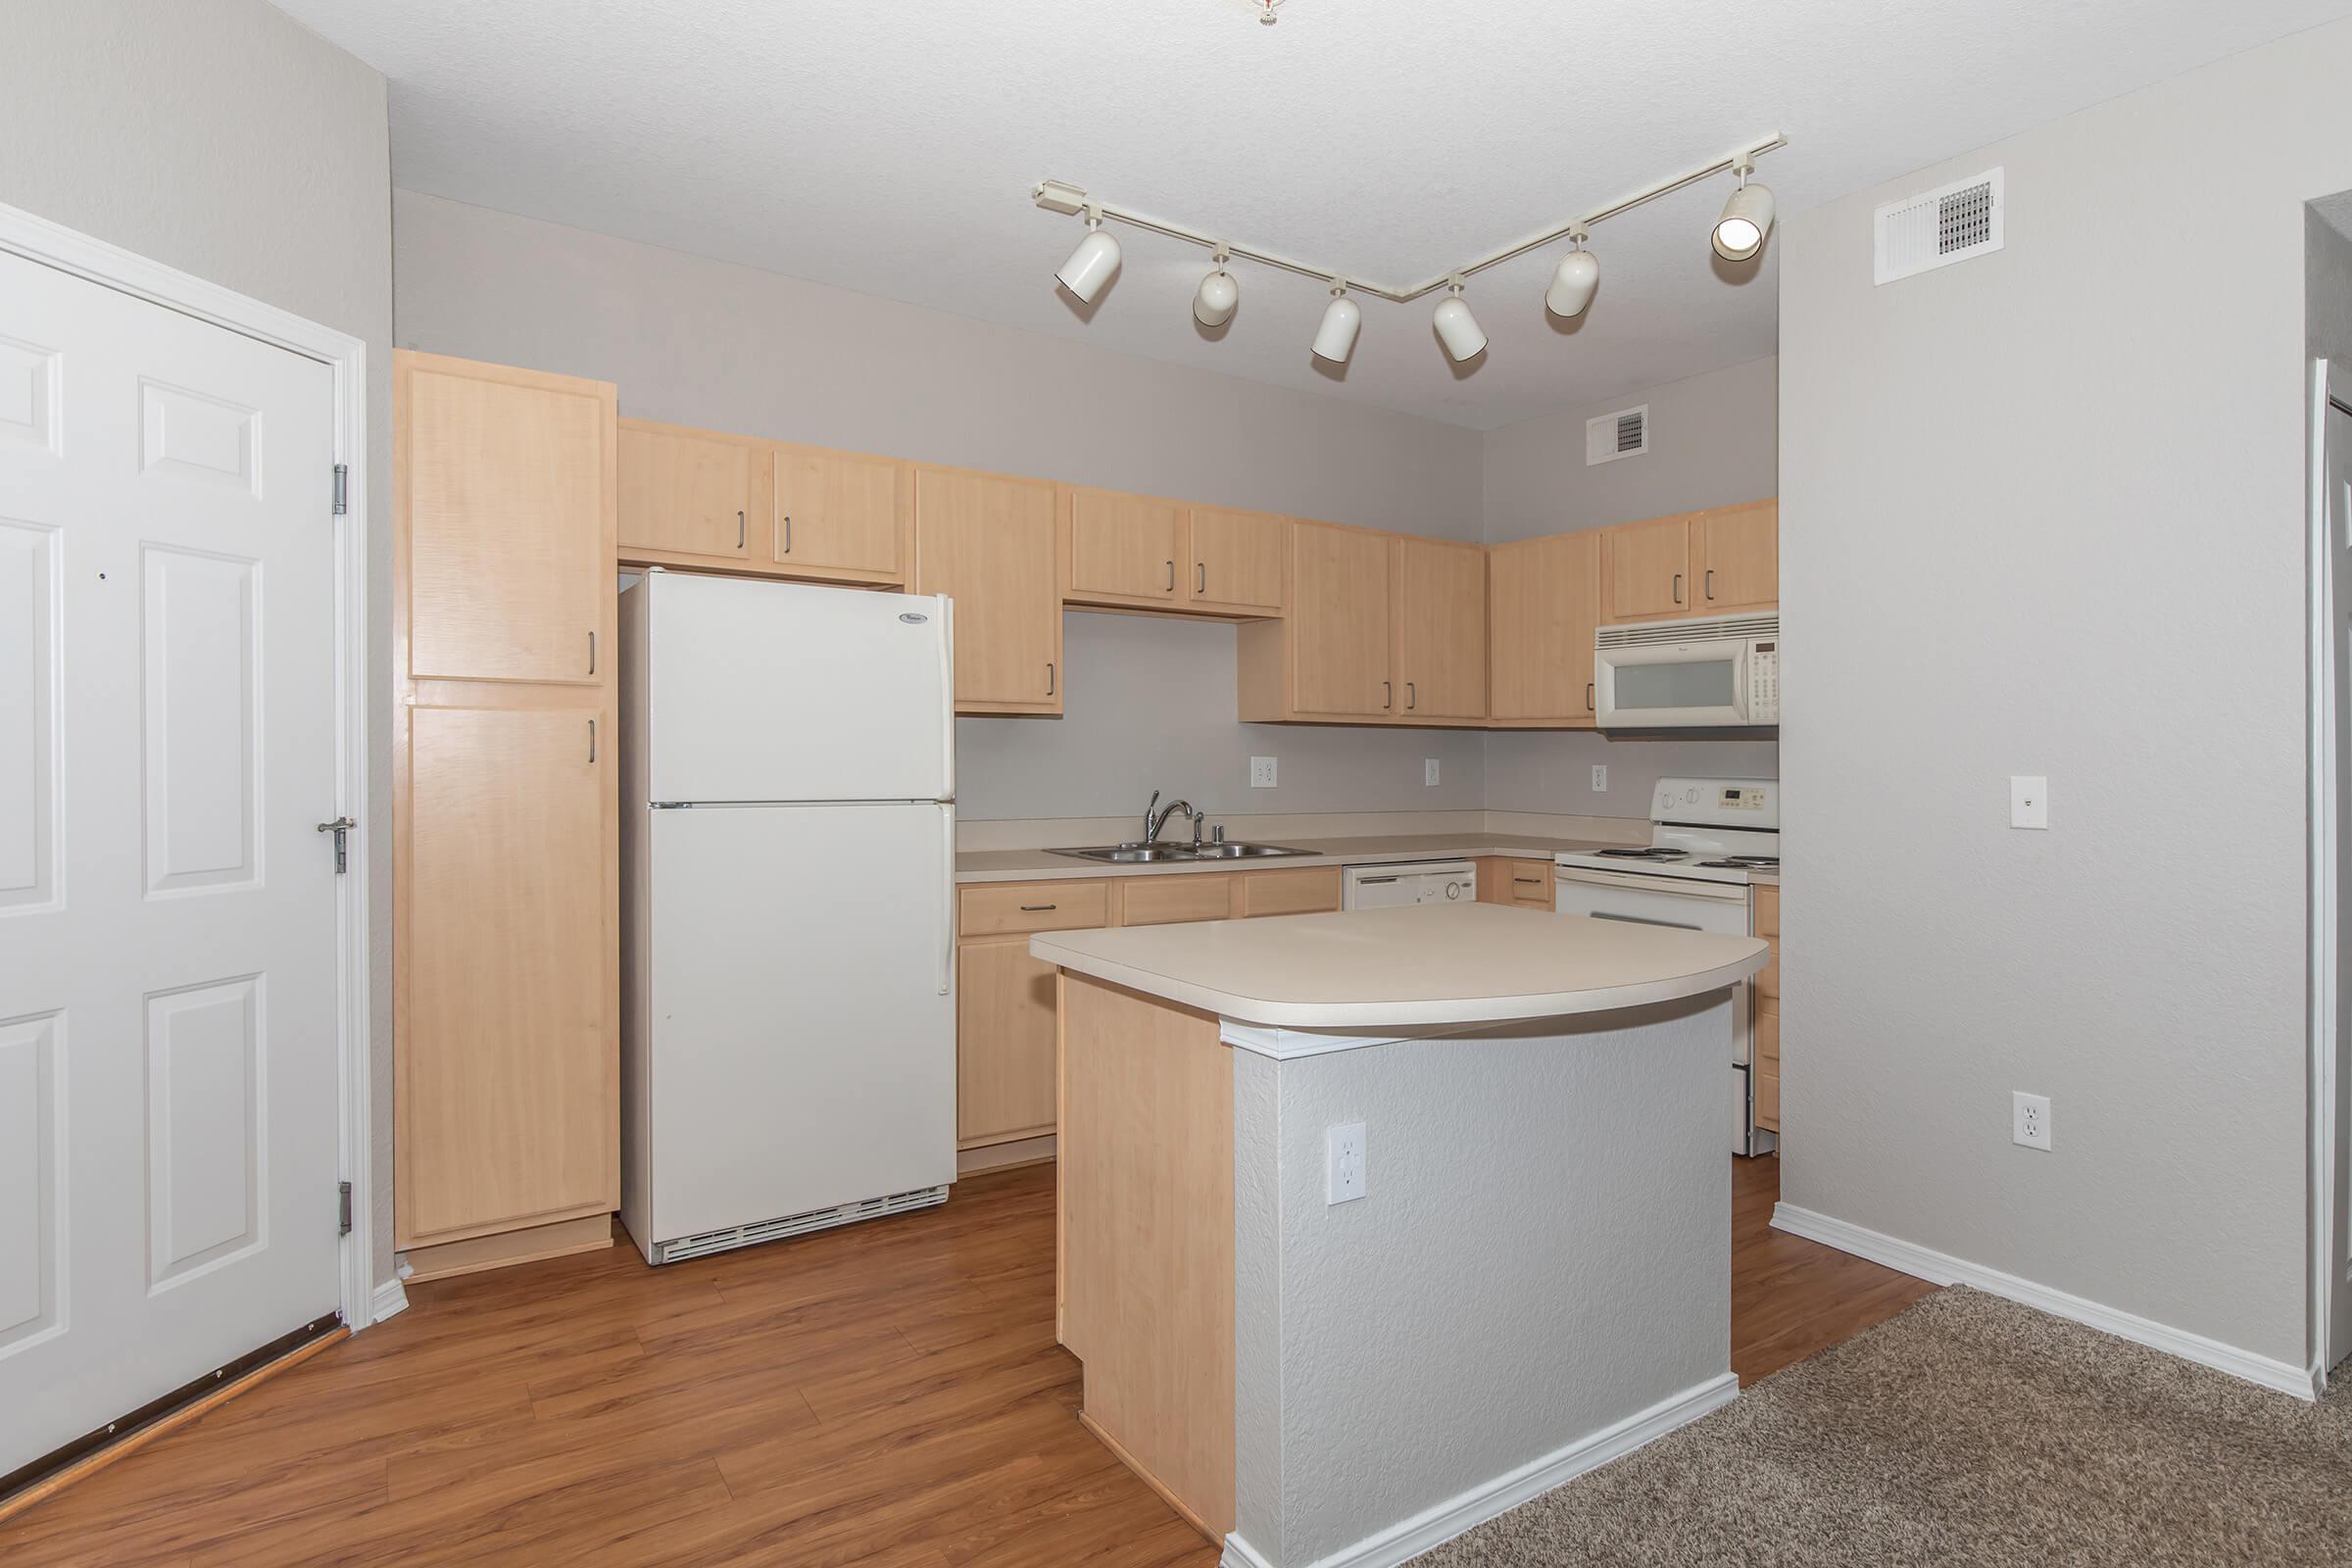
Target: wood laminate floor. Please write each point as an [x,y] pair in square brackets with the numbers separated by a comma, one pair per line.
[888,1396]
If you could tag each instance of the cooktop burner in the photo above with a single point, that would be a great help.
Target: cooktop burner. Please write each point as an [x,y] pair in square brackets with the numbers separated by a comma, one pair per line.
[1744,862]
[1650,853]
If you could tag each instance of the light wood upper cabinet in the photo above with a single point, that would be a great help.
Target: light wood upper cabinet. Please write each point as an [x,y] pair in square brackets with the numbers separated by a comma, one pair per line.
[1647,570]
[1339,625]
[841,515]
[993,545]
[1739,550]
[1440,659]
[1126,547]
[507,500]
[1544,605]
[1236,560]
[692,492]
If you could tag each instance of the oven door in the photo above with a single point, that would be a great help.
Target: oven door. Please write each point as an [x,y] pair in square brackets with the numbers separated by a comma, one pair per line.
[1672,685]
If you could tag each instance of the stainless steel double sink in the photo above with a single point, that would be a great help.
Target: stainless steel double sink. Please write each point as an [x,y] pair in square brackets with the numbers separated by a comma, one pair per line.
[1136,851]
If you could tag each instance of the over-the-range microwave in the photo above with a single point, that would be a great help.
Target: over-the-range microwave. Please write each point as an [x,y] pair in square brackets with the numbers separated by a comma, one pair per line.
[1711,672]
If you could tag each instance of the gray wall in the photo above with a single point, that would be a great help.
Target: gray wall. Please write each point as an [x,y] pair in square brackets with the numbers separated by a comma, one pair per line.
[1711,445]
[220,138]
[1151,704]
[2043,514]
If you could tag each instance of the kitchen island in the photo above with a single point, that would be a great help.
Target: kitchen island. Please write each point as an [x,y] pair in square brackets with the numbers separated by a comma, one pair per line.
[1534,1279]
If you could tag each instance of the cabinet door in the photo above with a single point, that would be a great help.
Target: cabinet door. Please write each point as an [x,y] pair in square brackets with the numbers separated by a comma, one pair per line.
[1125,547]
[1544,601]
[1174,898]
[842,513]
[507,495]
[507,1077]
[1740,557]
[1339,622]
[1237,560]
[1309,890]
[990,544]
[1647,570]
[1004,1028]
[688,492]
[1441,629]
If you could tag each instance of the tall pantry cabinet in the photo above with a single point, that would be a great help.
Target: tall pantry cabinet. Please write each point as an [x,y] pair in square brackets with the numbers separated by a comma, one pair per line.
[506,808]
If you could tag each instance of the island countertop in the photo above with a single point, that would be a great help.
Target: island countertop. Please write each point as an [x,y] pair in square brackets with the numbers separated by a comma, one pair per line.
[1415,966]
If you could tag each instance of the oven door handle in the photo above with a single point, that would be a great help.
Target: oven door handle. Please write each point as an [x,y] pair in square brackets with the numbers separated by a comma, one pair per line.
[1672,887]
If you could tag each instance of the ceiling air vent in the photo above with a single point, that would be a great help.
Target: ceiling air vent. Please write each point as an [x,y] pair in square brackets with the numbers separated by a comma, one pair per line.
[1939,227]
[1622,434]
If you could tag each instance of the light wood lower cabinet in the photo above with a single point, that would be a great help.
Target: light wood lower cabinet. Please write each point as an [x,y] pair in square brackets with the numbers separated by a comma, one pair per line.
[993,546]
[1003,1042]
[1523,883]
[1174,900]
[505,810]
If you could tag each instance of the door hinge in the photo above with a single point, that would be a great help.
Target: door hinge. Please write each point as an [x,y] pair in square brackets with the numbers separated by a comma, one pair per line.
[342,488]
[342,1208]
[340,827]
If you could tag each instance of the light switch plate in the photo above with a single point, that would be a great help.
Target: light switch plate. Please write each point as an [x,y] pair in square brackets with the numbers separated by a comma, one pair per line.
[1262,772]
[1344,1163]
[1429,772]
[2028,800]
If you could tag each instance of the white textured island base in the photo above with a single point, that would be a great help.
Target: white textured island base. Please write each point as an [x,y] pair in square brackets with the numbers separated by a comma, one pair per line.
[1537,1280]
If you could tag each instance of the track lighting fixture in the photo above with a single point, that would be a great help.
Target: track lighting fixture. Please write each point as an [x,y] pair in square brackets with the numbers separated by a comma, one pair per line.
[1746,218]
[1334,339]
[1094,261]
[1457,327]
[1573,279]
[1213,300]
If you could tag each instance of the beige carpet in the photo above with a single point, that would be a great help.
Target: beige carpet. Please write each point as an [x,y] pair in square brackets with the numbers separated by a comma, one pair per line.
[1968,1429]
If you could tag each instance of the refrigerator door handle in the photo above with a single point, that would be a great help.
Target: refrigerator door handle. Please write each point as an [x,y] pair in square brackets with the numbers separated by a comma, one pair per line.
[947,935]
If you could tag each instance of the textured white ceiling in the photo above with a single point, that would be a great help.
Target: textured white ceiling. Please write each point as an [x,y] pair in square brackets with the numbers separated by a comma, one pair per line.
[889,147]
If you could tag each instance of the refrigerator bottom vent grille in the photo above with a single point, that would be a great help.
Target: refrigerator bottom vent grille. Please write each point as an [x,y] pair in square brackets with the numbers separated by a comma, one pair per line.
[818,1219]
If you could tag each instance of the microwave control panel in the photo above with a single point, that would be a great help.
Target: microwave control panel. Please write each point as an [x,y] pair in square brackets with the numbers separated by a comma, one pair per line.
[1764,684]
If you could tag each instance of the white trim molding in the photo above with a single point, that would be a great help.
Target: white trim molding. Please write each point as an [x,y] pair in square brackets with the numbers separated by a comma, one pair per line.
[1941,1268]
[1432,1527]
[390,1299]
[37,239]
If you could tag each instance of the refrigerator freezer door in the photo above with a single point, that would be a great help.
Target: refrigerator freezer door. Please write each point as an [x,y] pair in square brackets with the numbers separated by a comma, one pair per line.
[803,1037]
[769,691]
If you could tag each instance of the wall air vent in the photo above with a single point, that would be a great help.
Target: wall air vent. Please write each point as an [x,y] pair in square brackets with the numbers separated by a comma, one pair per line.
[1622,434]
[1951,223]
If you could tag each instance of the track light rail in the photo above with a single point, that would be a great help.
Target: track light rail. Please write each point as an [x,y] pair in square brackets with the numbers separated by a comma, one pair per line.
[1058,196]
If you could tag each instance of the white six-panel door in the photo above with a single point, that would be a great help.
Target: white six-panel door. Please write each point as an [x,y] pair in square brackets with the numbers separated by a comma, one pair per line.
[168,977]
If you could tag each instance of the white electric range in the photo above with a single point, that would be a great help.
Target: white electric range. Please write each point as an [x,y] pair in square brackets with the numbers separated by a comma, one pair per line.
[1709,839]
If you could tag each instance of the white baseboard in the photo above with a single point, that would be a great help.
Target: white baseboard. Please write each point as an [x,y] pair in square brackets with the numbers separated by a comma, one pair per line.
[390,1299]
[1941,1268]
[1432,1527]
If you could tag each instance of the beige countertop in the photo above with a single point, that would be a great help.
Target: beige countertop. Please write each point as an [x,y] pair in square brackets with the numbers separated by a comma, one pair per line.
[1415,966]
[1034,865]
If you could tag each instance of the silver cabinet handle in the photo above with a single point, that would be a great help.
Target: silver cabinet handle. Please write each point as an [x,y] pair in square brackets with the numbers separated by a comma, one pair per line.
[1171,576]
[742,529]
[1710,584]
[1588,696]
[1038,908]
[1412,696]
[1049,677]
[592,653]
[788,533]
[1529,881]
[1201,580]
[1387,694]
[592,743]
[1678,587]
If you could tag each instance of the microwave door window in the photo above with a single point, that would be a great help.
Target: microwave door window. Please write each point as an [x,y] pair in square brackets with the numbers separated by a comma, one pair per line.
[1666,688]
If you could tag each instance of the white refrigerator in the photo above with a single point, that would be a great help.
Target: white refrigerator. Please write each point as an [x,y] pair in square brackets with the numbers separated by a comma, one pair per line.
[788,854]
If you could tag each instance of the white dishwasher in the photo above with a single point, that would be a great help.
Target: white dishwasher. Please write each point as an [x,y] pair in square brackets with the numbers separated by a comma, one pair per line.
[1382,887]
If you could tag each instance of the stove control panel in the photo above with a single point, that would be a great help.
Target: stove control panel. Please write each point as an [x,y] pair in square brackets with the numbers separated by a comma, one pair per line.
[1748,803]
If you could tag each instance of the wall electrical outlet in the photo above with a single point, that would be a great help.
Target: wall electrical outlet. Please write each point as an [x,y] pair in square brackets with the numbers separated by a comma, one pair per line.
[2029,1121]
[1344,1163]
[1429,772]
[2028,800]
[1262,772]
[1600,778]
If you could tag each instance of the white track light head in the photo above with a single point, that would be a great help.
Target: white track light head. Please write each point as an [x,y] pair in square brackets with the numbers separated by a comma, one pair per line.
[1091,265]
[1572,282]
[1746,218]
[1458,328]
[1334,339]
[1213,300]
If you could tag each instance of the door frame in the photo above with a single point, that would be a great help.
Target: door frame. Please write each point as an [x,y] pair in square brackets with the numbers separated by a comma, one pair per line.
[2326,873]
[37,239]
